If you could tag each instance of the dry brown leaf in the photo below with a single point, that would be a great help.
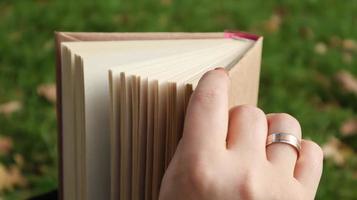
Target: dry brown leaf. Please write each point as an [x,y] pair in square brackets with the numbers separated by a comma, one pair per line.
[10,107]
[347,57]
[48,91]
[354,174]
[320,48]
[347,81]
[166,2]
[306,32]
[349,127]
[335,41]
[337,151]
[349,45]
[48,45]
[273,24]
[15,36]
[19,160]
[10,178]
[6,145]
[322,80]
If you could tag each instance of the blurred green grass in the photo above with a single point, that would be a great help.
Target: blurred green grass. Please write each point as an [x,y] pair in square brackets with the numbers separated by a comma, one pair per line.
[289,77]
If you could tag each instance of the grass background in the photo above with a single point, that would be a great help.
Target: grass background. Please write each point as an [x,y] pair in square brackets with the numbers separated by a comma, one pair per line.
[290,79]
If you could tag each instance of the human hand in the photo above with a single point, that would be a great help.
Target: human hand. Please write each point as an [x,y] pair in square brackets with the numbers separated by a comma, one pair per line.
[223,154]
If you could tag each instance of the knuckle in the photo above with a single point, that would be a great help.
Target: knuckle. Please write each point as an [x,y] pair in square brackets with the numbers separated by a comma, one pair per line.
[212,87]
[248,188]
[316,150]
[201,177]
[207,95]
[286,118]
[247,110]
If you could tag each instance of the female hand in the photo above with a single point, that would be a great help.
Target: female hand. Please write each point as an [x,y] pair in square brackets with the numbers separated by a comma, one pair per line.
[223,154]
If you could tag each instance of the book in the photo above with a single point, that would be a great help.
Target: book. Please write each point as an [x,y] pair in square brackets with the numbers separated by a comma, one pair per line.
[122,102]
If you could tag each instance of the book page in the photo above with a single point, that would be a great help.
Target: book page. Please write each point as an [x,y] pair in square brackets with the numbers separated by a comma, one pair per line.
[158,62]
[97,58]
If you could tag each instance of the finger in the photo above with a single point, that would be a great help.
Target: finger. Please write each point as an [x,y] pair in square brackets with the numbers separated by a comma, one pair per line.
[308,167]
[247,130]
[283,155]
[206,119]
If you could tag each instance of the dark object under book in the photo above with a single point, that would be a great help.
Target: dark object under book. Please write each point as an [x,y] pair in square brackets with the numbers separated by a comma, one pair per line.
[53,195]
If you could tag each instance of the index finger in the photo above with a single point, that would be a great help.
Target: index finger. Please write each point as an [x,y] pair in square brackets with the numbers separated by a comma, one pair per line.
[206,120]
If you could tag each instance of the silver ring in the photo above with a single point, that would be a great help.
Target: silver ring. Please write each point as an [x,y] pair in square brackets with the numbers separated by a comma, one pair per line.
[286,138]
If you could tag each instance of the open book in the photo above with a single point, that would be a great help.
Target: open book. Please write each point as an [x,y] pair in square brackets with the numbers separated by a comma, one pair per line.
[122,101]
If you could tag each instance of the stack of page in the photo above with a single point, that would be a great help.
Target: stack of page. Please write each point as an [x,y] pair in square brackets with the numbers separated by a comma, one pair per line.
[123,103]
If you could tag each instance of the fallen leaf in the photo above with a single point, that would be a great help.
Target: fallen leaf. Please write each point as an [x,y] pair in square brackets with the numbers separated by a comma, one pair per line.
[347,81]
[320,48]
[281,10]
[166,2]
[10,178]
[347,57]
[6,145]
[10,107]
[273,24]
[349,45]
[306,32]
[322,80]
[19,160]
[48,45]
[354,175]
[335,41]
[48,91]
[15,36]
[349,127]
[337,151]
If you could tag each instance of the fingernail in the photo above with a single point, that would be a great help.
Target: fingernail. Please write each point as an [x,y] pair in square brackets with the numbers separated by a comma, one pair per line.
[221,69]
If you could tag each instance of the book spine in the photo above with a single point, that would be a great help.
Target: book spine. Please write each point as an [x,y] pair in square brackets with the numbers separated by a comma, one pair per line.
[239,34]
[59,113]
